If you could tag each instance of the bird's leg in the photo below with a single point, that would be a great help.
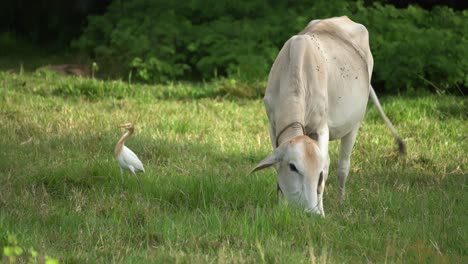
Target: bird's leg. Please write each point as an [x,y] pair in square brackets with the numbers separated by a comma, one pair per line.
[139,182]
[121,174]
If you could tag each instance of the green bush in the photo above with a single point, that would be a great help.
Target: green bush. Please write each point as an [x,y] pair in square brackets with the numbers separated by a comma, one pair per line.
[415,48]
[201,39]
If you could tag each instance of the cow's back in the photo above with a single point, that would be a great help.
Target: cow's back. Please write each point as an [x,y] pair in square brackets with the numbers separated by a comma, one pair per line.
[345,46]
[346,31]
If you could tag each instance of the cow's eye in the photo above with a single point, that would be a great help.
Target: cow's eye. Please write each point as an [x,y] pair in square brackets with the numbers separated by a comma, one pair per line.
[292,167]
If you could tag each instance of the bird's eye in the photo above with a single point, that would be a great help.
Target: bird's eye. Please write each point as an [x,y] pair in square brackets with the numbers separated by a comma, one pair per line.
[292,167]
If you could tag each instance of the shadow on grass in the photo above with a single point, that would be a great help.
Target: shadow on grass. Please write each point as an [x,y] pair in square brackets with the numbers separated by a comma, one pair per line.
[456,109]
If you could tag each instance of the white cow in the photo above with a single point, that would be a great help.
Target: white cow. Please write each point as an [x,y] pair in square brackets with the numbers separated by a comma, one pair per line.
[318,89]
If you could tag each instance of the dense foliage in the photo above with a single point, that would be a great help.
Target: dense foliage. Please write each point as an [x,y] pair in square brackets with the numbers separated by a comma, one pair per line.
[162,40]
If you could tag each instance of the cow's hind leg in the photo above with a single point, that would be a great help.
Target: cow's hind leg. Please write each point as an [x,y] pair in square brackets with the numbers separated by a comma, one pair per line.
[347,143]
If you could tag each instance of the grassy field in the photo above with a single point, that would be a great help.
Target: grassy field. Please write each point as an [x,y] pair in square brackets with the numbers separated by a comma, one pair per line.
[60,189]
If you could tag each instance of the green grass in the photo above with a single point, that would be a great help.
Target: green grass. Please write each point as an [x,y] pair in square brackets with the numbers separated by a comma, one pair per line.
[60,190]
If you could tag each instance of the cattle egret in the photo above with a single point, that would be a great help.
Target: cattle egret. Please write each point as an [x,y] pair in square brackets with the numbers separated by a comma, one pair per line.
[126,157]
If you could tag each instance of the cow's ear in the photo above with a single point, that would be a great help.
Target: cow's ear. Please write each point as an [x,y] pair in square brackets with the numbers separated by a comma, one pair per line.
[271,160]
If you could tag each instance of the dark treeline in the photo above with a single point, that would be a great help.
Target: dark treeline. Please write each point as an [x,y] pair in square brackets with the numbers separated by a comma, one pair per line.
[48,22]
[428,4]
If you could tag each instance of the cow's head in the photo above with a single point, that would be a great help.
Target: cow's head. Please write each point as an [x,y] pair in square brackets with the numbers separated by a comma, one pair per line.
[300,172]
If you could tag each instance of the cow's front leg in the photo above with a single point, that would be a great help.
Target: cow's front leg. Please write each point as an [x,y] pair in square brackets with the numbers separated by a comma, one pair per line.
[347,143]
[323,138]
[322,183]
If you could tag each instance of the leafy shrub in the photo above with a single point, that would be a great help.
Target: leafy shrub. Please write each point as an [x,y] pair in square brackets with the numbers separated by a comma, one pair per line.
[201,39]
[163,40]
[139,34]
[417,48]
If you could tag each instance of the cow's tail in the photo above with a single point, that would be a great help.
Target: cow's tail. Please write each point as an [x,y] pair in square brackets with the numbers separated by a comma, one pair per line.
[375,100]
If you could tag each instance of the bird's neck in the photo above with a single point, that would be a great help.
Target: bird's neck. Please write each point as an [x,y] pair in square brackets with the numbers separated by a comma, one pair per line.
[121,142]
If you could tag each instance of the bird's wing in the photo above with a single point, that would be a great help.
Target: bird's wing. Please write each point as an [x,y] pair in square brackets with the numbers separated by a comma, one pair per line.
[131,158]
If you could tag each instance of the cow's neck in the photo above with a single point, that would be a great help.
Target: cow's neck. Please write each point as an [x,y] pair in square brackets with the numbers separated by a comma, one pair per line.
[293,130]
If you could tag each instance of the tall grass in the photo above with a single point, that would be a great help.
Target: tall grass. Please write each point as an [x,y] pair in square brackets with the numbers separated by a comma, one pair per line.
[60,189]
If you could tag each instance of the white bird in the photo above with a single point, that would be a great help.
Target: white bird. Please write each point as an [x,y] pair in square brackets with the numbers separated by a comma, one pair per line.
[126,158]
